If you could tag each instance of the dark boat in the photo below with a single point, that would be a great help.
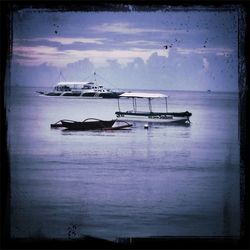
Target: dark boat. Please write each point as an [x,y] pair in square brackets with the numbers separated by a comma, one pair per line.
[87,124]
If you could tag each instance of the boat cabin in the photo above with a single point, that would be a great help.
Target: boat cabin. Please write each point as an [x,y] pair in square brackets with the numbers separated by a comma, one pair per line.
[134,96]
[150,115]
[78,86]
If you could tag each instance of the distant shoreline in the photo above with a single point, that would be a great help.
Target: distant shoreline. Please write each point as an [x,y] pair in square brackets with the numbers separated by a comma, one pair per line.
[127,90]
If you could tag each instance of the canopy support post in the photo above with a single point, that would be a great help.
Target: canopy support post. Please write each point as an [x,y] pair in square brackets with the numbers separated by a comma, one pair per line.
[150,105]
[166,99]
[119,105]
[95,77]
[133,104]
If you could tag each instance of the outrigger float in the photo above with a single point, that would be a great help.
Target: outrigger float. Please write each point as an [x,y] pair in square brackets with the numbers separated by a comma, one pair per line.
[89,124]
[150,116]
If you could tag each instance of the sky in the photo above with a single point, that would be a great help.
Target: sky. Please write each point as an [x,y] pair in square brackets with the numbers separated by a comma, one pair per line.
[177,49]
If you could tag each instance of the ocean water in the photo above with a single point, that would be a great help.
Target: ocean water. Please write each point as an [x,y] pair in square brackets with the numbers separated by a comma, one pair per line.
[163,181]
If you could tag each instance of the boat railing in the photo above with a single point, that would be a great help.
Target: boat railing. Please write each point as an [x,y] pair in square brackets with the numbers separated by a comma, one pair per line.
[161,114]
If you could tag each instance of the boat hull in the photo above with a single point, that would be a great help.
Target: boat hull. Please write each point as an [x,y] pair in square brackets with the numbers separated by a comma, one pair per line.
[155,117]
[93,95]
[87,125]
[174,120]
[161,115]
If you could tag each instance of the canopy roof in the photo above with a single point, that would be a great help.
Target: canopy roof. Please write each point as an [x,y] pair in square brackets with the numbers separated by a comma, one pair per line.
[143,95]
[73,83]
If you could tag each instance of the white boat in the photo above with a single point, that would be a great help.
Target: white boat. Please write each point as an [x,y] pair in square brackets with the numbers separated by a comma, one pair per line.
[84,89]
[150,116]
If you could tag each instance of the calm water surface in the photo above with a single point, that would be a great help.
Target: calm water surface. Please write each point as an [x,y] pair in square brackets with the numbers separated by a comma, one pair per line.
[167,180]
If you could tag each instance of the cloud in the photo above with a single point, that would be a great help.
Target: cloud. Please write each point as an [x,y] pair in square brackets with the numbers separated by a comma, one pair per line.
[36,55]
[128,29]
[122,28]
[174,72]
[65,40]
[71,40]
[33,50]
[216,51]
[205,64]
[142,43]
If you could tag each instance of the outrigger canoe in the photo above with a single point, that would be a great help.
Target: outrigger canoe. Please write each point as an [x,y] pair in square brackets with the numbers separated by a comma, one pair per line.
[89,124]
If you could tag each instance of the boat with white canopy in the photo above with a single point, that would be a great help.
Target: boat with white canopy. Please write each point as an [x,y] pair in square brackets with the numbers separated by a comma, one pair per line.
[150,116]
[81,89]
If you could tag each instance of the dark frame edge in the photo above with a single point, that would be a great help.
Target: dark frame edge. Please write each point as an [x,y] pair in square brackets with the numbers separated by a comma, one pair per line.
[224,243]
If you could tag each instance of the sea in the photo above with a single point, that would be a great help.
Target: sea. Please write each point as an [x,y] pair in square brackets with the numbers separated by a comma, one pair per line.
[160,181]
